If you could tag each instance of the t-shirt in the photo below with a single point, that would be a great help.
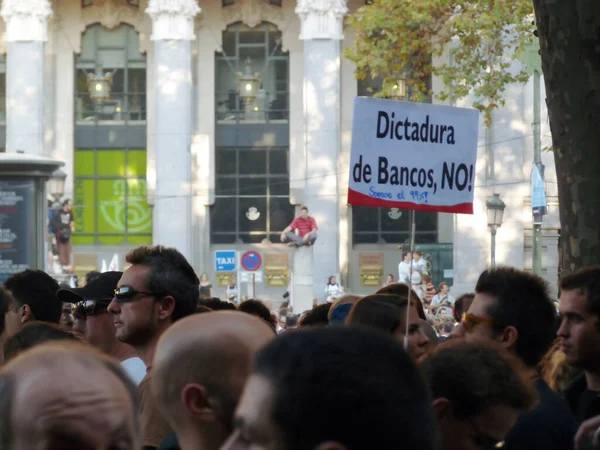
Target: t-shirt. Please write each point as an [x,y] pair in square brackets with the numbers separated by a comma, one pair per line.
[403,272]
[62,223]
[153,426]
[332,292]
[550,426]
[135,368]
[304,226]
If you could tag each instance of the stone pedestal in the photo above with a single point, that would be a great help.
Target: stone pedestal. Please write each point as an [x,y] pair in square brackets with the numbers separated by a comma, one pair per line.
[173,30]
[322,31]
[26,34]
[302,279]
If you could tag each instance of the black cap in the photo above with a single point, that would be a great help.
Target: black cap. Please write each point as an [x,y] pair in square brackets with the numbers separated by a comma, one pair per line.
[101,287]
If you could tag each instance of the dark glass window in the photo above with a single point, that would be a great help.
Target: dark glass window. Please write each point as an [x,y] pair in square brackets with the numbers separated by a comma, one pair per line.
[252,195]
[386,226]
[261,48]
[116,53]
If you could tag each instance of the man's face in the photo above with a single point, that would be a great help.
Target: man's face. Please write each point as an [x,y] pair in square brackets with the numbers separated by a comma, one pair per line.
[98,329]
[579,331]
[135,320]
[42,418]
[68,207]
[408,257]
[481,432]
[444,289]
[417,257]
[479,309]
[253,423]
[303,213]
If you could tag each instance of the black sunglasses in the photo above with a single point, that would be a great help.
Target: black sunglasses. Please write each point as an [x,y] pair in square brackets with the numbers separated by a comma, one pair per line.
[91,307]
[127,293]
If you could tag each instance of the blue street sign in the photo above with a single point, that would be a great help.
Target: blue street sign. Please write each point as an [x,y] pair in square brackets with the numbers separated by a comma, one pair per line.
[225,260]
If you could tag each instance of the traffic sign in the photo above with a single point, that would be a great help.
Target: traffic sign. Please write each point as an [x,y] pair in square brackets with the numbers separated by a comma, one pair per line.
[225,261]
[251,261]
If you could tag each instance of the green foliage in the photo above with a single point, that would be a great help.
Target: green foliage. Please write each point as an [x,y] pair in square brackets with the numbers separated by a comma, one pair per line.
[400,38]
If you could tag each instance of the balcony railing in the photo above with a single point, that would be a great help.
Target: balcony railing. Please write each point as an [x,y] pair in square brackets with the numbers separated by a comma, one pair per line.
[121,107]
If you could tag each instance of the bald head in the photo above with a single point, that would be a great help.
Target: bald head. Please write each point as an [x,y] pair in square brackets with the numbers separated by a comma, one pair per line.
[61,393]
[202,362]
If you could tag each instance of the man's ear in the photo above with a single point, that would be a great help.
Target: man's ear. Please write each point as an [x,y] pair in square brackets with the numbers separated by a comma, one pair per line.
[330,445]
[509,338]
[166,307]
[196,402]
[442,408]
[26,314]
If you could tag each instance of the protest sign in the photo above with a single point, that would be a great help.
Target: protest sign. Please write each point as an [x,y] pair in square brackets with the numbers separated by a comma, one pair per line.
[413,156]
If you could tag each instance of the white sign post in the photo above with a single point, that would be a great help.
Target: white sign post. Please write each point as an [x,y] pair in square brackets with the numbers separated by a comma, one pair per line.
[413,156]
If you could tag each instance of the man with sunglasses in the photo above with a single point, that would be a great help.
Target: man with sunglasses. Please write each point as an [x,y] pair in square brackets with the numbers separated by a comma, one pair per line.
[94,323]
[159,288]
[514,308]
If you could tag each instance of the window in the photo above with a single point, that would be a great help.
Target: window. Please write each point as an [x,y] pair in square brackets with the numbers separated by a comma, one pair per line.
[110,205]
[252,199]
[261,47]
[391,226]
[116,54]
[275,2]
[226,3]
[2,89]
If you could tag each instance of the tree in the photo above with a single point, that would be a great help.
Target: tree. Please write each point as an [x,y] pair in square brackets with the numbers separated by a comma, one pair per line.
[400,39]
[569,33]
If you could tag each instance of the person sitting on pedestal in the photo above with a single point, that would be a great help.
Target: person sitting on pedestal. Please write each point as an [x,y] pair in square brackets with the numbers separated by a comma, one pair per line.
[307,230]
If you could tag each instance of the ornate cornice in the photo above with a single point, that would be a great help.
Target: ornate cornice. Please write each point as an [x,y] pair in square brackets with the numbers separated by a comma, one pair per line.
[321,19]
[26,20]
[173,19]
[252,13]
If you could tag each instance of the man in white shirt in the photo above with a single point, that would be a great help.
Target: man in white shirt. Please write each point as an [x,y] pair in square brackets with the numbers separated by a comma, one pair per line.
[404,268]
[419,263]
[96,325]
[442,300]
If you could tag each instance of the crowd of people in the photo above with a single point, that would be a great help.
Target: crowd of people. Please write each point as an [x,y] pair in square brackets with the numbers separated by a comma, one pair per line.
[148,364]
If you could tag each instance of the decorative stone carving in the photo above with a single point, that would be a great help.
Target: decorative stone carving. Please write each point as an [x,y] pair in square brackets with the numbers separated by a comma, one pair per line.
[321,19]
[26,20]
[252,13]
[173,19]
[110,14]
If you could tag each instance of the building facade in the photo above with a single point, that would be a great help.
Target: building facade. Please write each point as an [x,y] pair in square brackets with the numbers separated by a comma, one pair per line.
[205,125]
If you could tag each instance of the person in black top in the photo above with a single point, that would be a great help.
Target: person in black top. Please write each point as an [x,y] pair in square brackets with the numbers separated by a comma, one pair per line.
[64,226]
[205,286]
[514,308]
[580,334]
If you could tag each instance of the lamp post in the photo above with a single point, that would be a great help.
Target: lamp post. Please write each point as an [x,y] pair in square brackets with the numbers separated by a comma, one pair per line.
[397,90]
[56,184]
[99,85]
[495,211]
[248,84]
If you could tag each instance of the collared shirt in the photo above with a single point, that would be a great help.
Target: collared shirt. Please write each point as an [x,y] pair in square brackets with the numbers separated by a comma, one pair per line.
[304,226]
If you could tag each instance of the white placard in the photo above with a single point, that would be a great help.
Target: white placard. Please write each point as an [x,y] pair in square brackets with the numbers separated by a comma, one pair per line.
[413,156]
[246,277]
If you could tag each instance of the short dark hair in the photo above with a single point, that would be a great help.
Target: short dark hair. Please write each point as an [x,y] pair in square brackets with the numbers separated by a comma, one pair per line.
[38,290]
[255,308]
[587,282]
[32,335]
[379,312]
[522,301]
[291,321]
[402,290]
[216,304]
[304,207]
[418,252]
[202,309]
[66,201]
[441,285]
[316,317]
[324,382]
[476,375]
[404,253]
[460,303]
[170,275]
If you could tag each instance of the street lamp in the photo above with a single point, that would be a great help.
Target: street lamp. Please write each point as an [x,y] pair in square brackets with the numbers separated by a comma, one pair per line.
[99,84]
[397,89]
[56,184]
[248,83]
[495,211]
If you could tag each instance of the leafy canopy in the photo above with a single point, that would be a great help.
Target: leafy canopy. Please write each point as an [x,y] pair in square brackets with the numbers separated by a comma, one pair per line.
[399,39]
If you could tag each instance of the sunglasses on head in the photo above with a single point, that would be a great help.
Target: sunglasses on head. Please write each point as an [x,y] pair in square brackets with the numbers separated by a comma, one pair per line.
[91,307]
[127,293]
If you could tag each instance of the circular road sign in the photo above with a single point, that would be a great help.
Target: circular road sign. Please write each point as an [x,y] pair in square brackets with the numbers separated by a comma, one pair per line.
[251,261]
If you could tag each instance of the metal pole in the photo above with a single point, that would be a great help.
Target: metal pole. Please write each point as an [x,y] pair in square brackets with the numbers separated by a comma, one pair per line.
[493,229]
[412,250]
[537,161]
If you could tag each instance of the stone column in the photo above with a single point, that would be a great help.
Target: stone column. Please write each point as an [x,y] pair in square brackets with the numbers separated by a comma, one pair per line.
[172,33]
[321,31]
[26,34]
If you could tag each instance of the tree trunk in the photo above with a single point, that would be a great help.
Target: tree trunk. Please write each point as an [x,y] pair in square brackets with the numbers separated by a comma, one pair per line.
[569,32]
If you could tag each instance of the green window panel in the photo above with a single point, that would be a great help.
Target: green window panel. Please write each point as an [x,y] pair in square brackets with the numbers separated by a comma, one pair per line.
[85,163]
[111,163]
[84,210]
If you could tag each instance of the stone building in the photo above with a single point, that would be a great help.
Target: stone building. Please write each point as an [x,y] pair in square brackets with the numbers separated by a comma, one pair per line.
[205,125]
